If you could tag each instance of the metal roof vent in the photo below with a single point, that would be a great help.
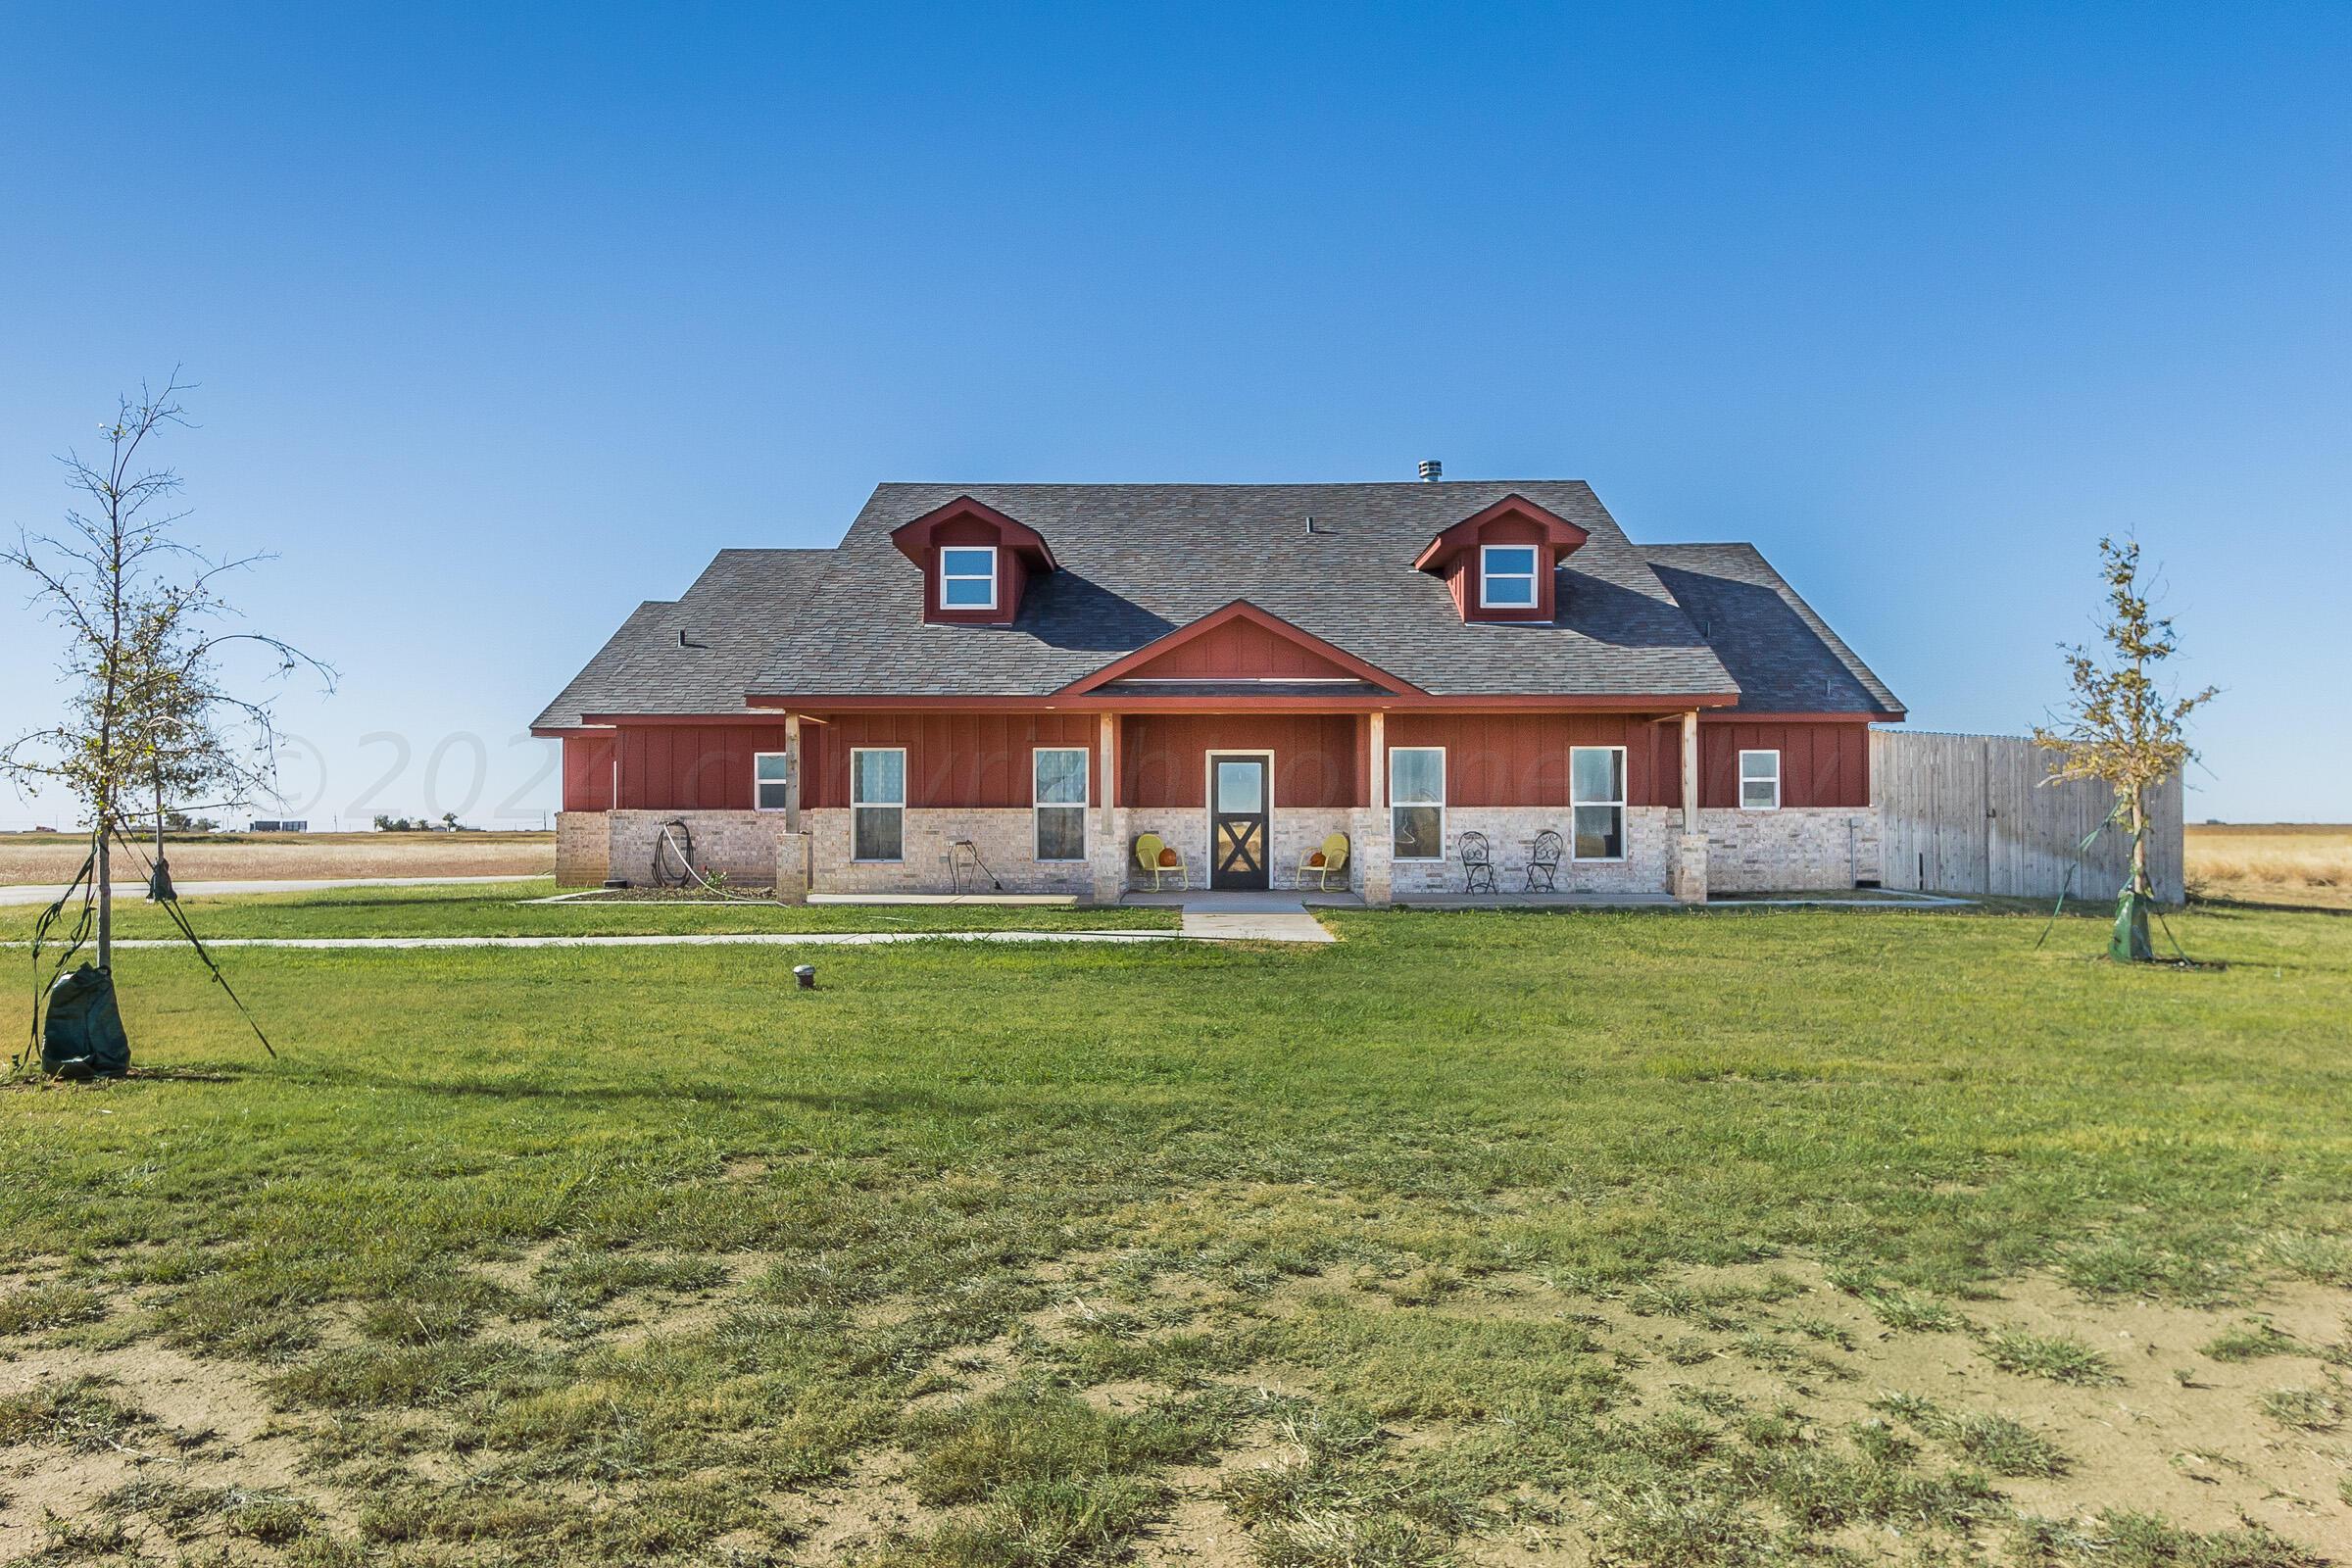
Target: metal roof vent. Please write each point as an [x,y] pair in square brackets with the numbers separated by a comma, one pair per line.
[1432,471]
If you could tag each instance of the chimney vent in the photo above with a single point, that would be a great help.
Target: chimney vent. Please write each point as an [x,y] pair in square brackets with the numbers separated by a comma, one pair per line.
[1432,471]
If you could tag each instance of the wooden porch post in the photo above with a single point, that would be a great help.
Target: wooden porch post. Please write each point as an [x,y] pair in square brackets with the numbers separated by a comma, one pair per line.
[1108,759]
[792,772]
[1376,758]
[1691,772]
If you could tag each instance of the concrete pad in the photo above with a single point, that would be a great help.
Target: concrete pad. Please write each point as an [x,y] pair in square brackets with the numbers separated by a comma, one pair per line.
[1256,925]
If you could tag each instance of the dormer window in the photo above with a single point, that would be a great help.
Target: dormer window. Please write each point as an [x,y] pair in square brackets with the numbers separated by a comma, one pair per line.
[1499,563]
[976,561]
[1506,577]
[967,577]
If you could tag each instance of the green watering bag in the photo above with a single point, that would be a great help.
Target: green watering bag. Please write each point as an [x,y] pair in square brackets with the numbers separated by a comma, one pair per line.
[82,1036]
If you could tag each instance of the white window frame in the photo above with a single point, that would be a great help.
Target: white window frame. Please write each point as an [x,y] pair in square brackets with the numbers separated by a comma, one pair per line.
[1487,575]
[899,806]
[1624,820]
[1745,780]
[1037,808]
[946,578]
[757,781]
[1395,801]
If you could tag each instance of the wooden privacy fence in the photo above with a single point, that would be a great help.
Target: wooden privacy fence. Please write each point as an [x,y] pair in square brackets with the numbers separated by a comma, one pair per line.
[1970,813]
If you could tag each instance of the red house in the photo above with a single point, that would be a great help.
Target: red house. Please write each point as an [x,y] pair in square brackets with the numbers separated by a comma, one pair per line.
[1039,674]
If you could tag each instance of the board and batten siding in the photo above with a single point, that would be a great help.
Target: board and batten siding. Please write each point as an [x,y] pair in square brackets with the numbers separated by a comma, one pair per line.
[665,768]
[953,760]
[1970,813]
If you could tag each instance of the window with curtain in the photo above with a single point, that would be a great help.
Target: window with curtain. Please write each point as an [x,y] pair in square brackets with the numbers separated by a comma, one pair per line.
[1060,802]
[1597,791]
[878,803]
[1417,802]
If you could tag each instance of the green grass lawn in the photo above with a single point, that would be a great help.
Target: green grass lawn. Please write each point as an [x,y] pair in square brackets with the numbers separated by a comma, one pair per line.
[509,910]
[1643,1238]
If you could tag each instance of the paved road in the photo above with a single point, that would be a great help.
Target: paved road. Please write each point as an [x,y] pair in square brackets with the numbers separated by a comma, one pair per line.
[206,889]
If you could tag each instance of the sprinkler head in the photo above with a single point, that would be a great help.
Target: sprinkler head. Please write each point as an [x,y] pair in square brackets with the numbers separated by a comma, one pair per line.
[806,974]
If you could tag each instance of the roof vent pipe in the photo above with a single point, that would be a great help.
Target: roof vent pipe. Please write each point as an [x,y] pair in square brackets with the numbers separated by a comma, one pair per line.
[1432,471]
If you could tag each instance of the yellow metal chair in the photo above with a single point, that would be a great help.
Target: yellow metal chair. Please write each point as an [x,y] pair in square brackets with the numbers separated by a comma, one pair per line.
[1334,851]
[1147,848]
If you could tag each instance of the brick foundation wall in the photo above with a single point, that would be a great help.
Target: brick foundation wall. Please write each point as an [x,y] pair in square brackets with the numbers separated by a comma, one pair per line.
[1796,849]
[740,844]
[1004,836]
[581,853]
[1648,833]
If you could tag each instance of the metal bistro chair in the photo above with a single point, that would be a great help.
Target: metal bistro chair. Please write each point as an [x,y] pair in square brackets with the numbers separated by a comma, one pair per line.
[1478,862]
[1544,862]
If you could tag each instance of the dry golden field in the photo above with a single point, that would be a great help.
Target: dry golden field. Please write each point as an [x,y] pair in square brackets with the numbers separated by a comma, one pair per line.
[2272,863]
[50,858]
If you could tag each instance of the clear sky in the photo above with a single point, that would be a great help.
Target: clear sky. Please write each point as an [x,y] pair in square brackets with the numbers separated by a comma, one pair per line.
[506,317]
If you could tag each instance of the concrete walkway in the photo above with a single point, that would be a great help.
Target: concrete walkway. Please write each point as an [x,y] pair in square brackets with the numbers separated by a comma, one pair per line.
[1242,916]
[207,890]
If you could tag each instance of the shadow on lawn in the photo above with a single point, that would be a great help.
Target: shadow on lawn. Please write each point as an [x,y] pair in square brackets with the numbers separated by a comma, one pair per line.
[700,1091]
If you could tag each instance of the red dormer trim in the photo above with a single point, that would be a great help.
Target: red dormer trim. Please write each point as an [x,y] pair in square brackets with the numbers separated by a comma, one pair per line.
[1205,634]
[1021,550]
[1455,555]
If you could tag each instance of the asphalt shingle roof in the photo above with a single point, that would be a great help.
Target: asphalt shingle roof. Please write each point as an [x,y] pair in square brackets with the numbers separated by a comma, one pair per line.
[1138,560]
[1785,657]
[732,618]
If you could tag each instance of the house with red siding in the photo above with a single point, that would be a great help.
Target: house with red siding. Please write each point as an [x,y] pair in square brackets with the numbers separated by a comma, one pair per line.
[1033,676]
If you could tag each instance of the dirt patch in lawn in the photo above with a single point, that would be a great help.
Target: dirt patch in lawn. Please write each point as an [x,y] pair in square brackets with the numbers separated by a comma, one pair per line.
[2031,1402]
[163,1448]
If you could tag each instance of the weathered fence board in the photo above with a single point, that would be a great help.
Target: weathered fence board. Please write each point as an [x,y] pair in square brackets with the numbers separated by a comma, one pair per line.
[1970,813]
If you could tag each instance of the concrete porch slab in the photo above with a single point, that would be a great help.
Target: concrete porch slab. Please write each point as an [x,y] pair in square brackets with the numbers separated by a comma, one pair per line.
[1227,915]
[1229,900]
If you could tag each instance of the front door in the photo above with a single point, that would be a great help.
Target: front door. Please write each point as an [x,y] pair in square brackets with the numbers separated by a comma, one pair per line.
[1238,850]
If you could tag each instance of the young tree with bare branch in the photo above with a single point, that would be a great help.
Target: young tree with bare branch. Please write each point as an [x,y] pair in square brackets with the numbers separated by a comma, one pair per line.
[2125,725]
[150,719]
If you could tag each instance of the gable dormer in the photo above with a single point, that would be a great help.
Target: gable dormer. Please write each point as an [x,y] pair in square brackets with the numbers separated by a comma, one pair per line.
[976,562]
[1499,562]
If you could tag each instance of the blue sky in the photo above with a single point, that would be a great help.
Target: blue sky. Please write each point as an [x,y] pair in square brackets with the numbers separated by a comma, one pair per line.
[505,318]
